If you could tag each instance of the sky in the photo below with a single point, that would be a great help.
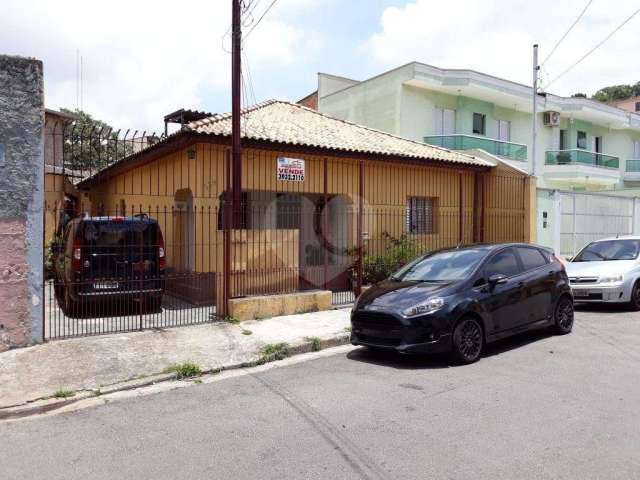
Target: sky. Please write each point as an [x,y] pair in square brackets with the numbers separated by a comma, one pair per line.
[143,59]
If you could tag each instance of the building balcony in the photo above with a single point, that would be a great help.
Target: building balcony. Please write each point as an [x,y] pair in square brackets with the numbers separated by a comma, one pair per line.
[581,168]
[582,157]
[510,150]
[632,170]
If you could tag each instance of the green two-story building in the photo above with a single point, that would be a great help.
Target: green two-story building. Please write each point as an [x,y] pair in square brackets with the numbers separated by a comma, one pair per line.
[581,144]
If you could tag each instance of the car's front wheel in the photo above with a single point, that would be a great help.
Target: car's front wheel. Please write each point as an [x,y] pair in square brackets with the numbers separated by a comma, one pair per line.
[563,315]
[634,303]
[468,341]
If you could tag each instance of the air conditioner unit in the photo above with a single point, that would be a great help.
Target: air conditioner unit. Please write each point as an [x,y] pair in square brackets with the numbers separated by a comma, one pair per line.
[551,119]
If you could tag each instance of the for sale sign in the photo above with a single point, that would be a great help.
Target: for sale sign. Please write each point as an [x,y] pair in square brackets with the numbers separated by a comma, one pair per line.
[290,169]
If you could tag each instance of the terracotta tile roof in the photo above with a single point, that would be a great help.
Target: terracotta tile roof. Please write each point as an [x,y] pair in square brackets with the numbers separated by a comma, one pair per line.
[284,122]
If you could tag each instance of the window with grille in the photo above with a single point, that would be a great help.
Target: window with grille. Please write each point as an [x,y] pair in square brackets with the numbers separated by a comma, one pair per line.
[419,215]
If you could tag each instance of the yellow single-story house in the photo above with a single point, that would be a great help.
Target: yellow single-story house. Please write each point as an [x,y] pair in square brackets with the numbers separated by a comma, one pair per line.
[319,195]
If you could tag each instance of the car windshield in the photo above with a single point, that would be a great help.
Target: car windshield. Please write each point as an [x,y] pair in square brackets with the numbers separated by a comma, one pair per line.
[445,266]
[609,250]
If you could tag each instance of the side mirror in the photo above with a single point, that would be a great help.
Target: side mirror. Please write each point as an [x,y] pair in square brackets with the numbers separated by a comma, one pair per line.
[497,279]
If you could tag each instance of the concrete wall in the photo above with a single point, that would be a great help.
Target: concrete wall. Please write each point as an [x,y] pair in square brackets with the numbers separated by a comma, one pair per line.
[375,103]
[328,84]
[21,199]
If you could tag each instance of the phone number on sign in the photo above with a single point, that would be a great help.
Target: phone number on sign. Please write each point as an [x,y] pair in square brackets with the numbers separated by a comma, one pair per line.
[291,175]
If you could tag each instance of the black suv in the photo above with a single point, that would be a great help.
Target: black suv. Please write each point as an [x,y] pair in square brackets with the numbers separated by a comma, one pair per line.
[459,299]
[110,259]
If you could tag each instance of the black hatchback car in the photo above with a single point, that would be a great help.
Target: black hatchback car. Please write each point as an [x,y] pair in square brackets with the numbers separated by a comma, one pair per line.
[110,260]
[457,300]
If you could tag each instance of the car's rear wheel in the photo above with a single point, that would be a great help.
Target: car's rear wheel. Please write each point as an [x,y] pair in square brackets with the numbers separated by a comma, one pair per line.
[563,315]
[634,303]
[468,341]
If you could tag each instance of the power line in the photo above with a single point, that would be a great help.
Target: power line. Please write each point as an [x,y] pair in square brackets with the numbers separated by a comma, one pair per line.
[247,10]
[594,48]
[249,19]
[247,68]
[261,17]
[567,32]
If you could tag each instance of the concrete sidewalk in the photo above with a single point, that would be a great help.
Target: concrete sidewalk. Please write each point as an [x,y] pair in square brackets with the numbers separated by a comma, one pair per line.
[93,363]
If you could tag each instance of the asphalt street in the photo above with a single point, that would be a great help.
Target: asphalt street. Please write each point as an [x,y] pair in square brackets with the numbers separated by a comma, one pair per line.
[536,406]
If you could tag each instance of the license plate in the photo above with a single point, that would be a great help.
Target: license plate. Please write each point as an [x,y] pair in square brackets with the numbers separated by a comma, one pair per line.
[105,285]
[580,293]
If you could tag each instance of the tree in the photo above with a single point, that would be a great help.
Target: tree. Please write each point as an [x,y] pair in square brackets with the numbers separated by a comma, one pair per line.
[91,144]
[579,95]
[617,92]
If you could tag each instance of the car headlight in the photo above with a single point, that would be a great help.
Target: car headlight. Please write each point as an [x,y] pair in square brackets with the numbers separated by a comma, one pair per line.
[611,279]
[429,306]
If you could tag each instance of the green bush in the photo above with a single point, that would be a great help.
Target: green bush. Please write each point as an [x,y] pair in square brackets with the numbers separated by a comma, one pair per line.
[273,352]
[399,252]
[184,370]
[316,343]
[51,255]
[64,393]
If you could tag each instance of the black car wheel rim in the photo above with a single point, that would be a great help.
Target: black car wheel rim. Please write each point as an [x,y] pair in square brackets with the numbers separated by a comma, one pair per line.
[470,339]
[565,314]
[636,296]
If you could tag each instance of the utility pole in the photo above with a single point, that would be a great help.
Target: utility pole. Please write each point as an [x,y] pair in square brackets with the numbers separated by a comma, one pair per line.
[534,131]
[236,159]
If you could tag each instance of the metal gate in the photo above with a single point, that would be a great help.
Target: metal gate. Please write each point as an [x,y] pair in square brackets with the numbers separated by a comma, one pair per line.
[567,221]
[590,216]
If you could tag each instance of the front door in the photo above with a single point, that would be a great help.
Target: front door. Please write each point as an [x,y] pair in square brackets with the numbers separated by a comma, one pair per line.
[504,301]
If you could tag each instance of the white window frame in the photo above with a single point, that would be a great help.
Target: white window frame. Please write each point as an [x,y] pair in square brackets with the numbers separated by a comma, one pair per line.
[440,124]
[504,125]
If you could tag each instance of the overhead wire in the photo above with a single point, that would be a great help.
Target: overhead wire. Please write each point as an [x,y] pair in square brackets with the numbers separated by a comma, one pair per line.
[602,42]
[555,47]
[273,2]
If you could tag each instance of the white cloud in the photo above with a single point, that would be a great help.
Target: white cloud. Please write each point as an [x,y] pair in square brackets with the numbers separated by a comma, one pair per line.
[496,37]
[142,59]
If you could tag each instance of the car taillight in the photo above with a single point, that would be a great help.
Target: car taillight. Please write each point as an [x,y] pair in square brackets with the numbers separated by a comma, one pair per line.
[161,253]
[76,256]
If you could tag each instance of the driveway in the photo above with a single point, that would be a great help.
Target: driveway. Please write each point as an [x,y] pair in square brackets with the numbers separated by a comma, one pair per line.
[537,406]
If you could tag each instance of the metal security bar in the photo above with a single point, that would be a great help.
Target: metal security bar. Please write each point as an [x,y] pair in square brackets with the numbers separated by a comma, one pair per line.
[80,149]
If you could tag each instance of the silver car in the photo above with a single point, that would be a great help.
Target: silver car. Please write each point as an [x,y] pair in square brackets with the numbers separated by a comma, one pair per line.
[607,270]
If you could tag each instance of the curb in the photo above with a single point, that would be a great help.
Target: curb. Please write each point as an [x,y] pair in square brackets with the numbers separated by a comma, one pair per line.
[45,405]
